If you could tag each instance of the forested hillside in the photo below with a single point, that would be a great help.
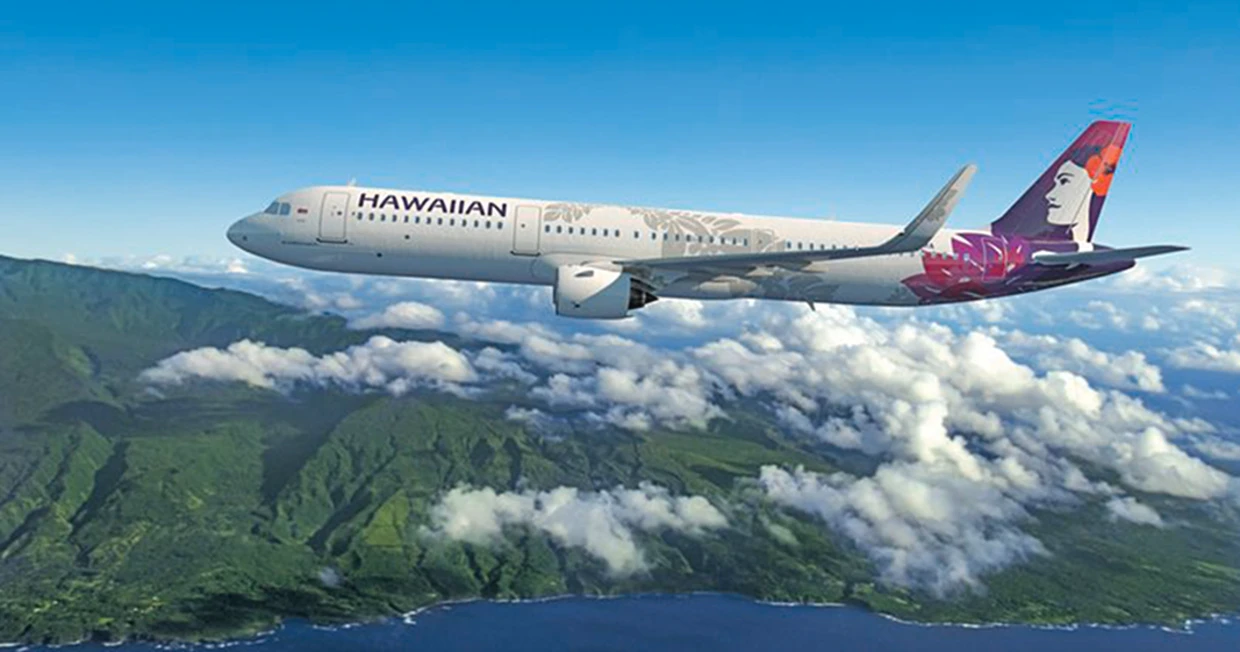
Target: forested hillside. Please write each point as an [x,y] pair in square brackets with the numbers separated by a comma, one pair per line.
[211,509]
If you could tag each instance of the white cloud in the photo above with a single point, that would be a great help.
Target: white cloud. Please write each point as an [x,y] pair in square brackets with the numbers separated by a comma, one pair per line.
[379,363]
[1127,370]
[600,522]
[961,422]
[1217,314]
[496,364]
[1151,463]
[994,420]
[1218,448]
[1208,357]
[406,314]
[500,331]
[667,394]
[1198,394]
[1178,278]
[1130,509]
[922,526]
[1098,315]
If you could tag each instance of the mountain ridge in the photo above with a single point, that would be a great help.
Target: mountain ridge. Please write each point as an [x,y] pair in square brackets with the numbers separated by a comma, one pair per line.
[213,509]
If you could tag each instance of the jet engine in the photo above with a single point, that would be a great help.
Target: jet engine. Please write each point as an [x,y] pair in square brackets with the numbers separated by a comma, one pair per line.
[590,292]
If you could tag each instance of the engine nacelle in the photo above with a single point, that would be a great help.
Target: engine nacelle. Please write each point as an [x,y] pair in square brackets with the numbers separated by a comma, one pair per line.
[590,292]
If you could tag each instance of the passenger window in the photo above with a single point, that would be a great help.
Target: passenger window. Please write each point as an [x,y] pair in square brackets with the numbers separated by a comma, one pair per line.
[654,236]
[452,222]
[665,236]
[546,228]
[593,231]
[499,225]
[372,217]
[746,241]
[475,224]
[488,224]
[439,221]
[559,229]
[677,237]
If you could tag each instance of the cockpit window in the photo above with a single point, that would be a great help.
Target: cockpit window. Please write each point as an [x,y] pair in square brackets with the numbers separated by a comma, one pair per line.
[273,209]
[284,208]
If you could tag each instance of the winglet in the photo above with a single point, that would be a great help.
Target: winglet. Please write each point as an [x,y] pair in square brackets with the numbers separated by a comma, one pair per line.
[921,230]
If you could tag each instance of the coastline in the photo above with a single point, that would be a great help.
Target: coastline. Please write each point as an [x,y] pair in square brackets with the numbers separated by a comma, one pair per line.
[410,618]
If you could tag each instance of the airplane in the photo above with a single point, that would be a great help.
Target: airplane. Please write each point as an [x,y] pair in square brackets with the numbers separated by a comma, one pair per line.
[605,261]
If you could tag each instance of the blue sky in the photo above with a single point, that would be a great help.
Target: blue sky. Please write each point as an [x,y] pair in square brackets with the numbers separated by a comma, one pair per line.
[147,128]
[132,136]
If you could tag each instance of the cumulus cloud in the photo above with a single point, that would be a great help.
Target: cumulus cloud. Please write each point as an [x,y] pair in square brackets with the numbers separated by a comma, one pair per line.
[972,429]
[1127,370]
[1177,278]
[1097,315]
[380,363]
[1127,508]
[1208,357]
[975,437]
[1151,463]
[1218,448]
[406,314]
[1198,394]
[603,523]
[923,527]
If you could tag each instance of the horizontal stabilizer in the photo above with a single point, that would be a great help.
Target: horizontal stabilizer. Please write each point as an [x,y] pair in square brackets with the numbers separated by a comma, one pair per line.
[1103,256]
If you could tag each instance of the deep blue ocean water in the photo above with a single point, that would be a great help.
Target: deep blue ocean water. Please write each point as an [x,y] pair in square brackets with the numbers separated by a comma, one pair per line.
[699,622]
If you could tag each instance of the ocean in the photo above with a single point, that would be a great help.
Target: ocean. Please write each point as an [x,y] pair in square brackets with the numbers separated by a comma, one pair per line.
[697,622]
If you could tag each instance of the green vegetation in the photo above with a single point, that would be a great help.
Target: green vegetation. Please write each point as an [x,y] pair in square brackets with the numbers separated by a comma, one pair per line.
[215,510]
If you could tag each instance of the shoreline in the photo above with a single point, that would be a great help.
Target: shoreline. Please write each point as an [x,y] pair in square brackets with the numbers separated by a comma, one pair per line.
[410,619]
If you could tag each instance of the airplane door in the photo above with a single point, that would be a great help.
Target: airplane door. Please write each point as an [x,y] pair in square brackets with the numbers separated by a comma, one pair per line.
[332,217]
[526,231]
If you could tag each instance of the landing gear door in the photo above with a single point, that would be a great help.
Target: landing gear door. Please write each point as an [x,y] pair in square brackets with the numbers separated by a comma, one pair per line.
[527,229]
[332,217]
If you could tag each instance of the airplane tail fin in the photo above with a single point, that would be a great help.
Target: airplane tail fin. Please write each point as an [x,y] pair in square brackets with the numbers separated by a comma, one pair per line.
[1066,201]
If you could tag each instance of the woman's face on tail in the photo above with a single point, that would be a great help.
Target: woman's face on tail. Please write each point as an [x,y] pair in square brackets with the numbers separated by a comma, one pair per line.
[1070,188]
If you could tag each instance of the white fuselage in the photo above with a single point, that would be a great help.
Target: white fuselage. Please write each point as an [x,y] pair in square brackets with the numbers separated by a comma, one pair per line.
[507,240]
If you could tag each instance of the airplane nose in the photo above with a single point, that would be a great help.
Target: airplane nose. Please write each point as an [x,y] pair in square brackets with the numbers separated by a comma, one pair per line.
[238,233]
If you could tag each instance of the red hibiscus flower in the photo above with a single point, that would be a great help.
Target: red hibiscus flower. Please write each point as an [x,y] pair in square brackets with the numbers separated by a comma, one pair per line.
[1101,168]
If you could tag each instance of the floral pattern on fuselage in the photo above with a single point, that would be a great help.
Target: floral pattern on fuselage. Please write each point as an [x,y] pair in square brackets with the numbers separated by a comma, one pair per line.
[982,266]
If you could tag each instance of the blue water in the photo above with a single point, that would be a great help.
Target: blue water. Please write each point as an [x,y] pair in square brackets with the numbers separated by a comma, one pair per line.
[701,622]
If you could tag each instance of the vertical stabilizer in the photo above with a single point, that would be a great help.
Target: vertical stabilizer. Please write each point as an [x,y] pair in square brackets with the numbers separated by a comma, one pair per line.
[1066,201]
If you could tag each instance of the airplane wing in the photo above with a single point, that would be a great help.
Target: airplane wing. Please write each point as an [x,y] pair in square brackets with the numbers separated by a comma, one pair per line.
[1102,256]
[911,238]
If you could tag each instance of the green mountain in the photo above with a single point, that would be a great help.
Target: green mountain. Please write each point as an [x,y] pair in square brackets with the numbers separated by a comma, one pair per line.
[217,509]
